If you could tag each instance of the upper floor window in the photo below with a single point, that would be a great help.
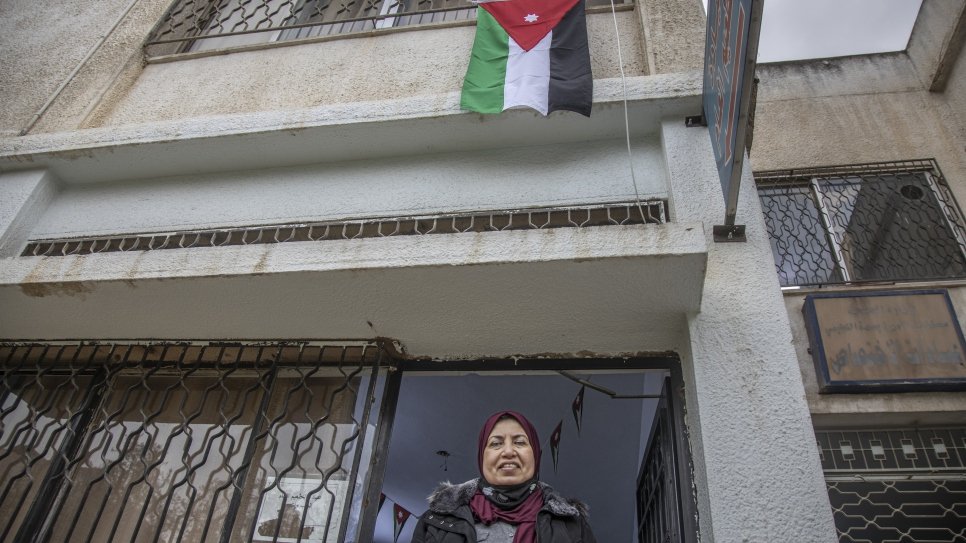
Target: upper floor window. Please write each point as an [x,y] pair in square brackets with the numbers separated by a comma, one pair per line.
[893,221]
[202,25]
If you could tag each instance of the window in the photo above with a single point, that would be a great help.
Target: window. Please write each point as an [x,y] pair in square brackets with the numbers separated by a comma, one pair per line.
[876,222]
[185,442]
[202,25]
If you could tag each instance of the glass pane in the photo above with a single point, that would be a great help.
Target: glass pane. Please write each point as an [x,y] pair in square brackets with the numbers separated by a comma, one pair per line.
[159,461]
[797,235]
[303,462]
[892,227]
[35,415]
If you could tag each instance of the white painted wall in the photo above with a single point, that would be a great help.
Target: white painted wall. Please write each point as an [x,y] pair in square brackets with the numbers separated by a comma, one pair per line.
[751,433]
[24,197]
[507,178]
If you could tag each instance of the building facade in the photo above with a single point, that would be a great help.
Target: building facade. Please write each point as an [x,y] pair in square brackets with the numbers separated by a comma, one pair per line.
[261,278]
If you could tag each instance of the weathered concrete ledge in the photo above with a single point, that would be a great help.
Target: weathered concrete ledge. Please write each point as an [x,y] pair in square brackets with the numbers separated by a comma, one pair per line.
[484,293]
[361,130]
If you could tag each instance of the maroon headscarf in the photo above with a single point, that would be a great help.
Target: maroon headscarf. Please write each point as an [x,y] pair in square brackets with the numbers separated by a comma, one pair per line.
[524,514]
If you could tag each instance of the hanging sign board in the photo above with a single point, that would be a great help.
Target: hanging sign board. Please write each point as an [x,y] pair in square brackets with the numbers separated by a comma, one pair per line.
[885,341]
[731,47]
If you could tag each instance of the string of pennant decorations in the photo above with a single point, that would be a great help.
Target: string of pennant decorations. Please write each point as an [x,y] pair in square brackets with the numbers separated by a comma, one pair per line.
[577,406]
[399,516]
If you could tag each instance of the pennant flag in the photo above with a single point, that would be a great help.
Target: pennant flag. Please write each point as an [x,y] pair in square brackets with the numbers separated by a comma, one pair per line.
[555,444]
[382,500]
[578,408]
[399,518]
[529,53]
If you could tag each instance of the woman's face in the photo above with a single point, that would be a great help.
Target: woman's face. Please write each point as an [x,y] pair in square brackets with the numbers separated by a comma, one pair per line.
[507,456]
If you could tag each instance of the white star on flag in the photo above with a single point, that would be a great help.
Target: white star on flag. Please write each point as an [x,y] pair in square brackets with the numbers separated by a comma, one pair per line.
[531,18]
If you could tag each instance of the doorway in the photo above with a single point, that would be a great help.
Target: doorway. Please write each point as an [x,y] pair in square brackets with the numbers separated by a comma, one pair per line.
[624,418]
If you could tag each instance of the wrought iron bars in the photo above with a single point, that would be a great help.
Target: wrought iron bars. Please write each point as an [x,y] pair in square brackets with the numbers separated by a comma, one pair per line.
[896,485]
[895,221]
[189,24]
[194,25]
[181,442]
[650,212]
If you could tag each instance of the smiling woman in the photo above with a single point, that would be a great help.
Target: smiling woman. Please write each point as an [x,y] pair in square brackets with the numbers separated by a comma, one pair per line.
[508,503]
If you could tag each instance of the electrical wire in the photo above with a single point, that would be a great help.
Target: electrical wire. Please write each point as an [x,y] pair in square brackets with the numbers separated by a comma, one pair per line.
[627,126]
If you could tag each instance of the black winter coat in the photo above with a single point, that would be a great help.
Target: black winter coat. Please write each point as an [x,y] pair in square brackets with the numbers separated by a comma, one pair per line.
[450,519]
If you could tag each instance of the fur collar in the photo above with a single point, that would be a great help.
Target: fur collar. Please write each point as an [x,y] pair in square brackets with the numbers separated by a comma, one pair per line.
[448,497]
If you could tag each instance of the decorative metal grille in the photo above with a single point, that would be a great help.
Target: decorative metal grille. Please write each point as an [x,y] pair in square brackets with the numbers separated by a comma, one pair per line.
[895,221]
[182,442]
[659,504]
[896,486]
[207,24]
[650,212]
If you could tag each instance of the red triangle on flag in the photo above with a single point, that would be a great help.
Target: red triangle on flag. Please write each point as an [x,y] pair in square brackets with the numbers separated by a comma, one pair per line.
[528,21]
[400,516]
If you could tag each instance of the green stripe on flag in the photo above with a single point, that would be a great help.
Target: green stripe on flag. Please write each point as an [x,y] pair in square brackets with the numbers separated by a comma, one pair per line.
[485,76]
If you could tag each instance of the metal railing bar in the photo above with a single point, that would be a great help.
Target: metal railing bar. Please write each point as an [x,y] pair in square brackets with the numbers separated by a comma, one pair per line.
[131,442]
[267,384]
[182,428]
[357,458]
[28,430]
[536,219]
[105,432]
[372,18]
[336,466]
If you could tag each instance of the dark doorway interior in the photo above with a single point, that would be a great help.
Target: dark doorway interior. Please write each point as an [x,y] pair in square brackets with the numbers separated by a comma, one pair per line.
[439,415]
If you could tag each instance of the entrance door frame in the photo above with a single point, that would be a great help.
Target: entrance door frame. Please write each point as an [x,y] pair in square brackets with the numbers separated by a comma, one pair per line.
[669,362]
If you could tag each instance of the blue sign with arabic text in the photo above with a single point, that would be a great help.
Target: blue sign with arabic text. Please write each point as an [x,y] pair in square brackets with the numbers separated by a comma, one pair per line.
[729,67]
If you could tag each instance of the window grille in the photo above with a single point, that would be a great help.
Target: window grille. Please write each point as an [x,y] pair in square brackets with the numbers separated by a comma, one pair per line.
[184,442]
[894,221]
[198,25]
[893,486]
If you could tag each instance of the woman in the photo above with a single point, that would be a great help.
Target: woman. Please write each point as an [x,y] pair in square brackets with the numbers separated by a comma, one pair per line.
[508,504]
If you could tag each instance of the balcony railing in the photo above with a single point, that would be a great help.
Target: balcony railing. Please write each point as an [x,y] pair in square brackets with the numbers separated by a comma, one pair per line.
[200,25]
[614,214]
[887,222]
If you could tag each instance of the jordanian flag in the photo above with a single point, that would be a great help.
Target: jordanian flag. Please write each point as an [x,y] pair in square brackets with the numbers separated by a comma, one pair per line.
[529,53]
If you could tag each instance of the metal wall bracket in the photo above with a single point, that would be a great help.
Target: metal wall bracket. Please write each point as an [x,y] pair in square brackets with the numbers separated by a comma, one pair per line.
[729,232]
[694,120]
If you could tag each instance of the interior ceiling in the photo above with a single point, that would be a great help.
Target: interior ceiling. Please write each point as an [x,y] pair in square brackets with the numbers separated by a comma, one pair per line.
[599,466]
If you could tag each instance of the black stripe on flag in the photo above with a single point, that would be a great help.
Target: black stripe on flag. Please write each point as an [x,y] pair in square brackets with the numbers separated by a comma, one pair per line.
[571,83]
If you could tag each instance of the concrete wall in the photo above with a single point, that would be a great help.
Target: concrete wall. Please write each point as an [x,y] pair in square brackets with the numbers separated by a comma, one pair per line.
[674,31]
[70,53]
[869,109]
[56,53]
[852,110]
[362,68]
[509,178]
[64,33]
[76,64]
[751,435]
[905,409]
